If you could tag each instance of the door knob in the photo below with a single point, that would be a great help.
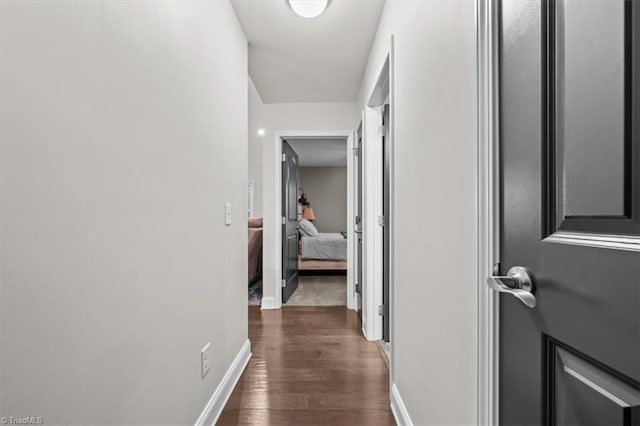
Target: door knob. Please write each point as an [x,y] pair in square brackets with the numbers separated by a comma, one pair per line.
[518,282]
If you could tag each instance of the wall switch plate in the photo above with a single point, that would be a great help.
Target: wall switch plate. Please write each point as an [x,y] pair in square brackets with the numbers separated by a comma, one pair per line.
[227,214]
[204,359]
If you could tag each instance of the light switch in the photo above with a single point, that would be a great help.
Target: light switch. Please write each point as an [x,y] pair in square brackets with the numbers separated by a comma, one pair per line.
[204,359]
[227,214]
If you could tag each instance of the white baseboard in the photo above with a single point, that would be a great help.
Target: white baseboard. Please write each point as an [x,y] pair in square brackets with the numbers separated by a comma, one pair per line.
[269,303]
[366,336]
[214,407]
[398,408]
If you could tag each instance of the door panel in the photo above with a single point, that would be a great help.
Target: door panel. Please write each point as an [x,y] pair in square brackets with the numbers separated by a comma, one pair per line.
[590,37]
[582,392]
[569,163]
[290,221]
[590,94]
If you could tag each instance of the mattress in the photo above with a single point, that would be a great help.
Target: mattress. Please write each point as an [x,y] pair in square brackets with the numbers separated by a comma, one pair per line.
[324,247]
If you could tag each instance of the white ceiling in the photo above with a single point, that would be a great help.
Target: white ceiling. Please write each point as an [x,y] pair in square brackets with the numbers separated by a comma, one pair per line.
[320,152]
[295,59]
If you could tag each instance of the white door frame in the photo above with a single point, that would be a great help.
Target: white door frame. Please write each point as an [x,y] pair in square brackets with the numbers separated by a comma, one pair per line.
[488,209]
[371,231]
[358,186]
[280,136]
[372,201]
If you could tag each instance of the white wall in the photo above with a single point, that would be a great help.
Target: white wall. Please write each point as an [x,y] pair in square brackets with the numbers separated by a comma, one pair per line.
[257,120]
[326,189]
[124,129]
[301,117]
[435,314]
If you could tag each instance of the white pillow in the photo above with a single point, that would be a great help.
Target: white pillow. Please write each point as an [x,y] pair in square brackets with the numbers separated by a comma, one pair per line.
[307,228]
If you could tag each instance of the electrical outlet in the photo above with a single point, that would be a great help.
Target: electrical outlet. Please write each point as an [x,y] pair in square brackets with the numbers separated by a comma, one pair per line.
[204,359]
[227,214]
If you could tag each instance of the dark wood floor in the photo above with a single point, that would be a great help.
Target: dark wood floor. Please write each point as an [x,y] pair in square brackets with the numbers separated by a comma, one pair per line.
[310,366]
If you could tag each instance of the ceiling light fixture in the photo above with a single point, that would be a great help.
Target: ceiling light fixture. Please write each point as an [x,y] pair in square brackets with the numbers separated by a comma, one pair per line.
[308,8]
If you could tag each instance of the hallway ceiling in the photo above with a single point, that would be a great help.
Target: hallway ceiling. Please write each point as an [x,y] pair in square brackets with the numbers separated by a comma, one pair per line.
[320,152]
[295,59]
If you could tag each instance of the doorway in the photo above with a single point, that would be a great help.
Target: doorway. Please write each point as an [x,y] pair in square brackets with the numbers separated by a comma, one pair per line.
[377,219]
[321,201]
[284,251]
[359,214]
[385,222]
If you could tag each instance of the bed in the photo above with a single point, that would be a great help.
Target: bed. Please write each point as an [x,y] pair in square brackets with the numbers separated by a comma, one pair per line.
[323,246]
[321,252]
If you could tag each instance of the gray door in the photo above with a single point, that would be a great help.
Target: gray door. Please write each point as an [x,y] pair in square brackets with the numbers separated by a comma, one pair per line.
[359,214]
[570,212]
[386,219]
[289,221]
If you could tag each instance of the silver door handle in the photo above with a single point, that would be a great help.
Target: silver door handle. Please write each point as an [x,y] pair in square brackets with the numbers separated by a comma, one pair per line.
[358,232]
[518,282]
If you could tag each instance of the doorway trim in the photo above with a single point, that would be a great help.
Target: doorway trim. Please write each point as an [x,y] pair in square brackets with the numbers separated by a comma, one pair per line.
[280,136]
[372,232]
[488,191]
[381,92]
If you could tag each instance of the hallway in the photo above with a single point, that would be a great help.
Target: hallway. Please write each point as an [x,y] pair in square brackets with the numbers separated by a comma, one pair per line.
[310,366]
[136,139]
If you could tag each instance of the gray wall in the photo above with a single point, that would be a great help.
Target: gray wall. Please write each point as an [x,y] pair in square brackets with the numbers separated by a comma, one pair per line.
[326,189]
[434,328]
[257,120]
[124,131]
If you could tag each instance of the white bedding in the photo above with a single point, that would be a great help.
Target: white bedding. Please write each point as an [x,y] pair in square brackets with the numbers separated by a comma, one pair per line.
[324,247]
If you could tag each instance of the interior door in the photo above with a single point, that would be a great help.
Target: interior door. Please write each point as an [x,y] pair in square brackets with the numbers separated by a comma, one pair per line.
[289,221]
[570,213]
[359,214]
[386,212]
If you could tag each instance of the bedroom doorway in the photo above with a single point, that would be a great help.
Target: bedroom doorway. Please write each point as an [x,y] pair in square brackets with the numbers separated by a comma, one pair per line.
[320,199]
[318,188]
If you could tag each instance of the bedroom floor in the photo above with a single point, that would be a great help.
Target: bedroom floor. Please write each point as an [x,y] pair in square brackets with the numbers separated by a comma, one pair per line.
[321,290]
[255,293]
